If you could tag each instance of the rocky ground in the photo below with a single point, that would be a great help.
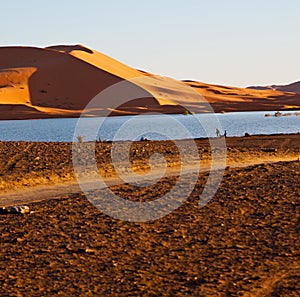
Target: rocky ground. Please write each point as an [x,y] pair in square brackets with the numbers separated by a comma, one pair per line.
[244,242]
[26,164]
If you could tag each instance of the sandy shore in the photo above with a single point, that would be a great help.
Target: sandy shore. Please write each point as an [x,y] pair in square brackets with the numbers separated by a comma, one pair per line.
[244,242]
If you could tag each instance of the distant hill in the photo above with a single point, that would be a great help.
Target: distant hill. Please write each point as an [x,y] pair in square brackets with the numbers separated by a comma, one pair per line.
[293,87]
[59,81]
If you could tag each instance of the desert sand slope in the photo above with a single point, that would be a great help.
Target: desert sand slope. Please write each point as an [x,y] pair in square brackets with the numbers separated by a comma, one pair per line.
[230,99]
[14,85]
[293,87]
[168,92]
[98,60]
[59,81]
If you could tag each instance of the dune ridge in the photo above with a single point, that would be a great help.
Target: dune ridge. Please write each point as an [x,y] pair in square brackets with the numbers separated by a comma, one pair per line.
[293,87]
[231,99]
[59,81]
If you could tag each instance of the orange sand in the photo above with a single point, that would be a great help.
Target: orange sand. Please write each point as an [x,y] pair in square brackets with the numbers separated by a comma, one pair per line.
[59,81]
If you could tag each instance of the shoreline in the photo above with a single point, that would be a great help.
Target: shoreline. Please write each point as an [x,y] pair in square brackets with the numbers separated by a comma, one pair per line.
[154,140]
[78,115]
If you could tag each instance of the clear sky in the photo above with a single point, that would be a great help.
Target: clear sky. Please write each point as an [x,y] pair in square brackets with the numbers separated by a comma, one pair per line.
[232,42]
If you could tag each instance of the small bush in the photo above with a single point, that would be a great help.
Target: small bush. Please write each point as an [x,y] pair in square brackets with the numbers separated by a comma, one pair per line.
[80,138]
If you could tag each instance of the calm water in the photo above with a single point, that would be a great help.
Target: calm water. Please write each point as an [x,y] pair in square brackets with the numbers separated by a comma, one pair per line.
[150,126]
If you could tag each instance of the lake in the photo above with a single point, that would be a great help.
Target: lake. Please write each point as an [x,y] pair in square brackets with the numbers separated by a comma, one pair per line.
[154,127]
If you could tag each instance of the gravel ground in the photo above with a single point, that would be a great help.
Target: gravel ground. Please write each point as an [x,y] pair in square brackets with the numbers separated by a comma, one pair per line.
[26,164]
[244,242]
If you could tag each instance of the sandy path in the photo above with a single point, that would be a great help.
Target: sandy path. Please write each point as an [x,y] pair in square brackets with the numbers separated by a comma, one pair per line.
[245,242]
[54,191]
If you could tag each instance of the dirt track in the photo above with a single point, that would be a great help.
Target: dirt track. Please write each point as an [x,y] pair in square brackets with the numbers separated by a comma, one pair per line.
[244,242]
[25,164]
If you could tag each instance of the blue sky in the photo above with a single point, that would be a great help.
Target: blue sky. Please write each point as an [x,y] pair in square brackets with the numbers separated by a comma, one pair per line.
[230,42]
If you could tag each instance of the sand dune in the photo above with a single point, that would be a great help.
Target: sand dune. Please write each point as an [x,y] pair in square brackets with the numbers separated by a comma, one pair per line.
[230,99]
[14,86]
[293,87]
[59,81]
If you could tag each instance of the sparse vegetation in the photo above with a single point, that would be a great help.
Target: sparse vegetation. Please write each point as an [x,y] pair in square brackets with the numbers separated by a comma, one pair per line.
[279,114]
[80,138]
[187,112]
